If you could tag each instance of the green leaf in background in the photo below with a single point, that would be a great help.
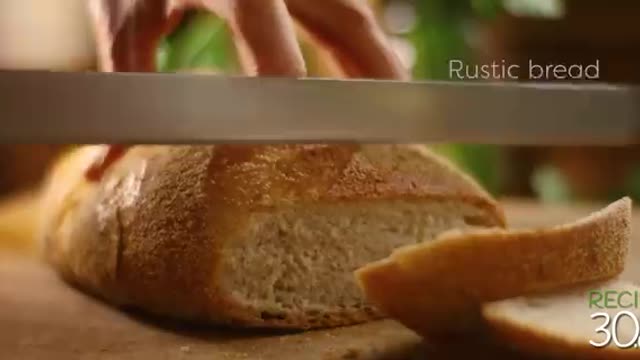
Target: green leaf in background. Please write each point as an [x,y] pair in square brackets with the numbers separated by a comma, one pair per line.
[438,37]
[201,41]
[554,9]
[631,186]
[162,55]
[551,185]
[486,9]
[483,162]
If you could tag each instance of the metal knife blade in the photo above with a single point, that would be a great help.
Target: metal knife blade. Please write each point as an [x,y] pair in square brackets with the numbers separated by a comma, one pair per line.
[55,107]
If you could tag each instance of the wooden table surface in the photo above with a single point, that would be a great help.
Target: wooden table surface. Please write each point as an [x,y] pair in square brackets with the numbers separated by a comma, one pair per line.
[43,318]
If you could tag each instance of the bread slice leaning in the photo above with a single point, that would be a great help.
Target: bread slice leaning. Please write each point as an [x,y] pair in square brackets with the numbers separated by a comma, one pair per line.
[250,235]
[560,324]
[439,286]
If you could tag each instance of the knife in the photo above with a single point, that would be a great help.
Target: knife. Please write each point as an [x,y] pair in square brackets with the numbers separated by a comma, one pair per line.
[90,107]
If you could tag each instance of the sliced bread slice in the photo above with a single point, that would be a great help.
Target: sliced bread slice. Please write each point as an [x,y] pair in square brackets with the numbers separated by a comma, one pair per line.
[560,324]
[439,286]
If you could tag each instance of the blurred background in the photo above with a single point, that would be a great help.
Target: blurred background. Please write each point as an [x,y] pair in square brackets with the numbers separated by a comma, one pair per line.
[55,34]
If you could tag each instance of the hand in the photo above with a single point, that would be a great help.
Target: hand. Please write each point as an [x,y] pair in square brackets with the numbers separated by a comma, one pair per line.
[110,155]
[128,32]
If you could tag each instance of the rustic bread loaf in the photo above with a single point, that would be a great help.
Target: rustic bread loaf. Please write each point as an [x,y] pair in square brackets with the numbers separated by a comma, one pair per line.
[253,235]
[439,286]
[559,324]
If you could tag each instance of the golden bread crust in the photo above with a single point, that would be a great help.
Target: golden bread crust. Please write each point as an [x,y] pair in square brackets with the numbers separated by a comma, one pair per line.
[439,286]
[150,233]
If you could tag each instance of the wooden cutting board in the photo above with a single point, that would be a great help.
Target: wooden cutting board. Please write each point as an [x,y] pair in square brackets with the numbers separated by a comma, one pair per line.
[43,318]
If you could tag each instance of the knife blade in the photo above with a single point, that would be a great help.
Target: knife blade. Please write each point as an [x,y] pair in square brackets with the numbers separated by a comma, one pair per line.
[89,107]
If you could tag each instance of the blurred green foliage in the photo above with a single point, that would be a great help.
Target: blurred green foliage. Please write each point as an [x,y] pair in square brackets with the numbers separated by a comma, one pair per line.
[440,35]
[483,162]
[631,186]
[202,41]
[550,185]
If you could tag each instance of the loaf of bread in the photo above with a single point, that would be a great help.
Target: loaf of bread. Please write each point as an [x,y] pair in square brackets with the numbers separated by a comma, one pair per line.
[439,286]
[250,235]
[560,324]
